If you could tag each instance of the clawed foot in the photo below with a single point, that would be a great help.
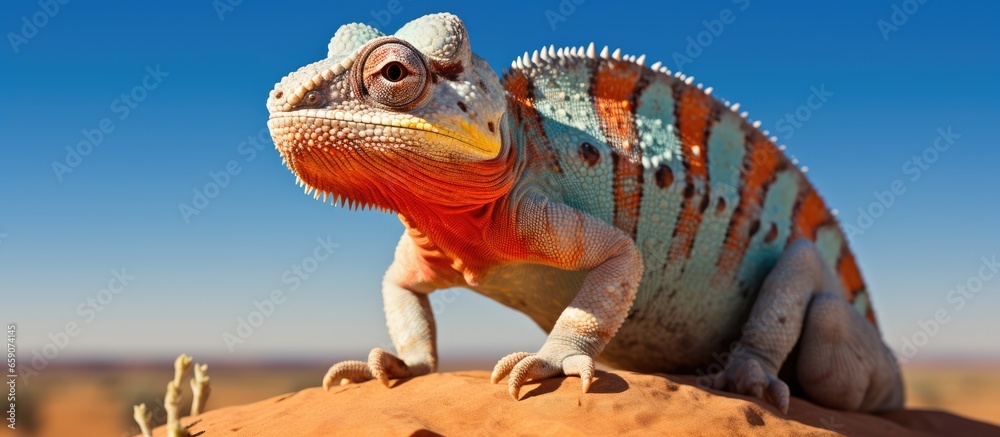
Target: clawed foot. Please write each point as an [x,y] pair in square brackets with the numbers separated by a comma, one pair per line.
[748,377]
[381,365]
[524,367]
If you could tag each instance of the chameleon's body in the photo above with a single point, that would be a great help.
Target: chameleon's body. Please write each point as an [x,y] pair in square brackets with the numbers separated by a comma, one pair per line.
[637,219]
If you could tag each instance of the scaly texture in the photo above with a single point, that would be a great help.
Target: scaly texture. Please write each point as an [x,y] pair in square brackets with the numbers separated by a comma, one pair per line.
[635,218]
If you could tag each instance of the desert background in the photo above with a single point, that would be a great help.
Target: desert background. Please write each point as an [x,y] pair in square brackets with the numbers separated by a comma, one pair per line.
[144,212]
[95,399]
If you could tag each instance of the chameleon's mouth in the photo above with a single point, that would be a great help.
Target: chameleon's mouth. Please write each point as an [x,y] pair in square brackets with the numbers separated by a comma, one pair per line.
[335,128]
[348,159]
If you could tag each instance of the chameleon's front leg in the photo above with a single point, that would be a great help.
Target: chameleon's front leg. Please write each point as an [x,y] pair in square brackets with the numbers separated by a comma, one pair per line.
[411,326]
[567,238]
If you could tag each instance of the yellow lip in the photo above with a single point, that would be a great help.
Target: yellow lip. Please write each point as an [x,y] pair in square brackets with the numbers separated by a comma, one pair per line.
[482,144]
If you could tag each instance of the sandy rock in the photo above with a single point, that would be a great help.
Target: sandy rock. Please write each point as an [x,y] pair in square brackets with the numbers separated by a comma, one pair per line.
[620,403]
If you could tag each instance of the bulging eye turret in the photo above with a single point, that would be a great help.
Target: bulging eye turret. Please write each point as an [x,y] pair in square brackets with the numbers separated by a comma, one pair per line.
[392,74]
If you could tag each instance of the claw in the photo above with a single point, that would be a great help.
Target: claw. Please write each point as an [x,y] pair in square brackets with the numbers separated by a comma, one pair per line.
[523,367]
[778,394]
[581,365]
[521,373]
[531,368]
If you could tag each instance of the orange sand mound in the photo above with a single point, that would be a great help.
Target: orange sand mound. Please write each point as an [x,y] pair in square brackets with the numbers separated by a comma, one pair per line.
[464,403]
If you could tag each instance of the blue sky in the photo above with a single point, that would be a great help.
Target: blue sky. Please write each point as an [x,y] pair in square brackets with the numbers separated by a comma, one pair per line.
[197,82]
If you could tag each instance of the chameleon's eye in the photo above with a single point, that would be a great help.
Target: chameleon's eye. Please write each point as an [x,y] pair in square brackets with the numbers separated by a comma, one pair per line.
[313,99]
[394,75]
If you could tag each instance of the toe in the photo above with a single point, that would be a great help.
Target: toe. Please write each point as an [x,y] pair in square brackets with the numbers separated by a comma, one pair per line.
[385,366]
[530,368]
[581,365]
[751,379]
[354,371]
[506,364]
[778,394]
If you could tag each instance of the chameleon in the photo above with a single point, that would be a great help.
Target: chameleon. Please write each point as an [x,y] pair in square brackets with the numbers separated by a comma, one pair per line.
[638,220]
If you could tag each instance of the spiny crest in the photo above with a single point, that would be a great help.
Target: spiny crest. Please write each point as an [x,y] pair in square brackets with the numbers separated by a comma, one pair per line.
[336,199]
[561,57]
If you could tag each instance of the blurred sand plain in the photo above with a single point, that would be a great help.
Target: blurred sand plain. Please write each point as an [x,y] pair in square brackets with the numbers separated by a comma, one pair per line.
[96,399]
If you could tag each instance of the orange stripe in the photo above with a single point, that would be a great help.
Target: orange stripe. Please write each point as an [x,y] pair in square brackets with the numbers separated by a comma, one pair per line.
[850,275]
[517,84]
[693,108]
[763,158]
[692,119]
[811,214]
[539,157]
[614,86]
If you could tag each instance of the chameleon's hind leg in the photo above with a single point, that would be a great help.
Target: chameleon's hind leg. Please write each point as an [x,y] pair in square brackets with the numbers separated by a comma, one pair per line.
[841,353]
[843,363]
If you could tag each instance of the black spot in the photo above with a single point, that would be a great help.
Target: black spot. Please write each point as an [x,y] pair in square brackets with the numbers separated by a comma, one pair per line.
[772,233]
[688,191]
[720,206]
[589,154]
[482,85]
[664,176]
[782,320]
[461,105]
[704,205]
[491,127]
[754,227]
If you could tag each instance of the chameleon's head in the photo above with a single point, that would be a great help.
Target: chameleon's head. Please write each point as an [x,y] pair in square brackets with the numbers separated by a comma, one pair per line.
[389,120]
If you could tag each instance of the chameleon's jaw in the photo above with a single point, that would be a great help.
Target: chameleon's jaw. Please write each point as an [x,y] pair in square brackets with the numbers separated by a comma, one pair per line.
[363,161]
